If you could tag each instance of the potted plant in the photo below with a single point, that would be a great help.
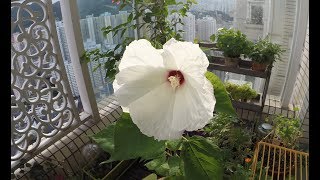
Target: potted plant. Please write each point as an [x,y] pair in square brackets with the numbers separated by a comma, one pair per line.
[287,130]
[285,133]
[240,92]
[264,53]
[235,143]
[247,93]
[233,90]
[233,43]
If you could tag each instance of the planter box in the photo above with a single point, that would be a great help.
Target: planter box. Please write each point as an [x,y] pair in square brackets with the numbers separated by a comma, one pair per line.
[257,99]
[245,64]
[207,44]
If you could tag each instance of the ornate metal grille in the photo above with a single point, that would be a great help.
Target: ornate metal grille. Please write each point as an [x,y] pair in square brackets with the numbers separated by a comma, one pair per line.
[41,100]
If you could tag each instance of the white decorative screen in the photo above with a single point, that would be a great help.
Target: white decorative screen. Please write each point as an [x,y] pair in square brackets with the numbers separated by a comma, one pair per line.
[41,101]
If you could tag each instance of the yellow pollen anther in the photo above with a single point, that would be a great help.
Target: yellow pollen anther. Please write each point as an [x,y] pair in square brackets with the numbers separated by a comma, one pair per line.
[174,81]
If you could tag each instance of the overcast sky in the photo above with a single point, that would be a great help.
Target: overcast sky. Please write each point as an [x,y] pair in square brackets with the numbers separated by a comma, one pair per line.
[53,1]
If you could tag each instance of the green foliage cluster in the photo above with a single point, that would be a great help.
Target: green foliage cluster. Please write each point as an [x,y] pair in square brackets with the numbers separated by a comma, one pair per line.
[265,52]
[240,92]
[232,42]
[235,143]
[288,130]
[148,14]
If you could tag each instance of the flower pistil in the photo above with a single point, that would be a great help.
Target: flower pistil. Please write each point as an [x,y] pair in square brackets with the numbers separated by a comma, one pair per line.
[175,78]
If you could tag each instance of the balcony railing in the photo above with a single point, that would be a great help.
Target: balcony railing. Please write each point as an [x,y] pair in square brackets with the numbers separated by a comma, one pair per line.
[41,101]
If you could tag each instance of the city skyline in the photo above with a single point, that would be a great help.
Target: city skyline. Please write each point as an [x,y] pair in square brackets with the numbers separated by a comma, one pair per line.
[93,38]
[200,28]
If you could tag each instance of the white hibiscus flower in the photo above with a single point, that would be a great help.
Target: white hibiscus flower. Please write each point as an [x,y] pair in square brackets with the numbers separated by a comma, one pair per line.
[165,90]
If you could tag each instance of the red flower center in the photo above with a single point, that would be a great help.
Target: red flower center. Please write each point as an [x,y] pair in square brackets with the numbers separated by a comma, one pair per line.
[177,74]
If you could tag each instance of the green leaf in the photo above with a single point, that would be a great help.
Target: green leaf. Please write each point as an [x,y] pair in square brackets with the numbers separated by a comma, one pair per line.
[223,102]
[213,37]
[171,2]
[96,67]
[117,47]
[151,177]
[165,166]
[192,1]
[174,178]
[153,164]
[130,143]
[123,140]
[122,6]
[174,145]
[160,165]
[174,165]
[201,159]
[183,11]
[122,33]
[130,17]
[105,138]
[147,17]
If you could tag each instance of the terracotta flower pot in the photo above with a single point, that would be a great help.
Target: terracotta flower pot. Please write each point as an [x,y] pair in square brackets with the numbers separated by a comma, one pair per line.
[259,67]
[231,62]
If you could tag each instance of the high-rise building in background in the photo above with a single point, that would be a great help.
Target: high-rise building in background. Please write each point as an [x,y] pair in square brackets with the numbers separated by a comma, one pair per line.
[105,20]
[189,27]
[225,6]
[91,28]
[91,22]
[66,58]
[63,41]
[84,29]
[174,21]
[94,38]
[97,74]
[205,28]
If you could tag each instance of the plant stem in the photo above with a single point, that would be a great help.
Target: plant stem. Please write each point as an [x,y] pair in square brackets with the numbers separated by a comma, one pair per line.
[168,154]
[185,138]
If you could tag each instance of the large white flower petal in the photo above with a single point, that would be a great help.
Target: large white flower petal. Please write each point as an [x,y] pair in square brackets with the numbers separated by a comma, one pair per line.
[194,106]
[132,88]
[116,86]
[168,60]
[140,52]
[170,42]
[161,107]
[184,52]
[153,113]
[139,72]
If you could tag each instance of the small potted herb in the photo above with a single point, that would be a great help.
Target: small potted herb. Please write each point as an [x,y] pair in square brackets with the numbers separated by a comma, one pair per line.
[247,92]
[233,90]
[287,130]
[240,92]
[264,53]
[233,43]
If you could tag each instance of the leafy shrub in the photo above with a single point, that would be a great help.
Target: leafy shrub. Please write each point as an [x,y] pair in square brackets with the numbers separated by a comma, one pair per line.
[265,52]
[232,42]
[288,130]
[240,92]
